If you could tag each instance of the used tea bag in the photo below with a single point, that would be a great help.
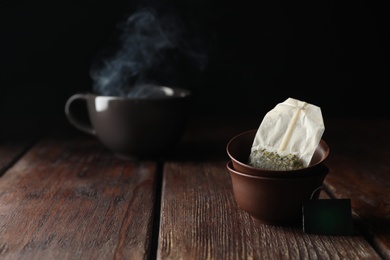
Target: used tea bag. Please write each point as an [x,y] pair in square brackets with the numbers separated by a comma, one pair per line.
[288,136]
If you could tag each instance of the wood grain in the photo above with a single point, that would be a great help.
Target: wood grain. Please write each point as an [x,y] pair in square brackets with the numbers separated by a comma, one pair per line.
[15,138]
[69,198]
[11,151]
[360,170]
[200,220]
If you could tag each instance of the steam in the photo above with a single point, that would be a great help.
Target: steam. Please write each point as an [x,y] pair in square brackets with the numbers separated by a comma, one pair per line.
[152,47]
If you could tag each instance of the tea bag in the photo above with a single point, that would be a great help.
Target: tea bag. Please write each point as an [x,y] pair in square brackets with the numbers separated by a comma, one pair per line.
[288,136]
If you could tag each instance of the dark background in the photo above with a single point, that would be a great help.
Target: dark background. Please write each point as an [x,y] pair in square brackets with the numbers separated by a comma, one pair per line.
[334,54]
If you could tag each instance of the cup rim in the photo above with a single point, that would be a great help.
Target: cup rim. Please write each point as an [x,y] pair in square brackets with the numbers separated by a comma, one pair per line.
[178,93]
[276,172]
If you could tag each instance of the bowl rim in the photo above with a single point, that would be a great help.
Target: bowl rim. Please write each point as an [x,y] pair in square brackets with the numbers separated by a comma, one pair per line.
[295,172]
[229,166]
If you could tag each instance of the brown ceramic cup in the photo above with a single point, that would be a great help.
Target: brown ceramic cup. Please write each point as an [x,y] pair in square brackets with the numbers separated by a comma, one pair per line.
[275,200]
[239,148]
[134,128]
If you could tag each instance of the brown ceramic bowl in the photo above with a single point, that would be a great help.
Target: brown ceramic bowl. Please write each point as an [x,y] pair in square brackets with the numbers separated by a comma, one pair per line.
[239,148]
[275,201]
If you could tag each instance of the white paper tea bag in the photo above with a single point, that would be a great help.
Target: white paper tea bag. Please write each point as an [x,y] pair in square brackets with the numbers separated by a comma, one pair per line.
[288,136]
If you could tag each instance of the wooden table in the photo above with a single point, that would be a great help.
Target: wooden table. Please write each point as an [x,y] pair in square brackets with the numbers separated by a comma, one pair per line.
[64,196]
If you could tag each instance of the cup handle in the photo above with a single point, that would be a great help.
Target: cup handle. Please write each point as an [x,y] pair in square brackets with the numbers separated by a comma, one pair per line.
[76,121]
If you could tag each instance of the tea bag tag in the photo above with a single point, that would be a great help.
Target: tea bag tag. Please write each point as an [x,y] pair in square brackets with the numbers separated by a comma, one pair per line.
[327,217]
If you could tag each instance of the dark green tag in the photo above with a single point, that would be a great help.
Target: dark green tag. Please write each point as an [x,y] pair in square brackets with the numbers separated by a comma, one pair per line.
[327,217]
